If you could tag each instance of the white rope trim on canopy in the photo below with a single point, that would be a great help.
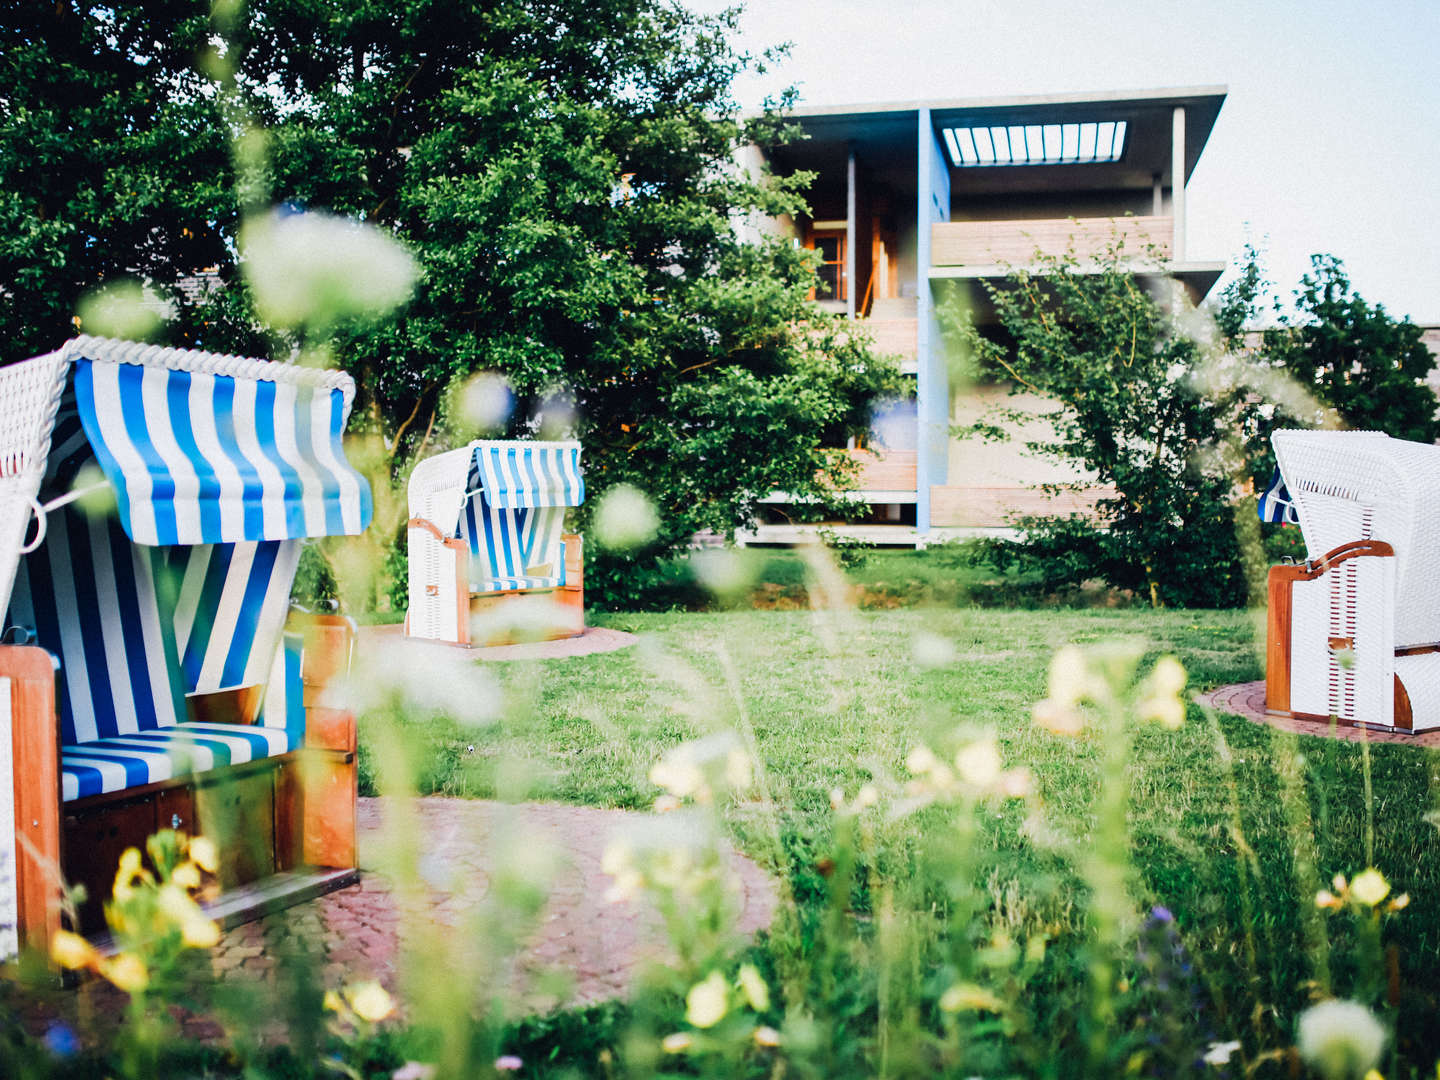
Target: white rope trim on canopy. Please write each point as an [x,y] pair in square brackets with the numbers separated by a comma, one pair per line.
[133,352]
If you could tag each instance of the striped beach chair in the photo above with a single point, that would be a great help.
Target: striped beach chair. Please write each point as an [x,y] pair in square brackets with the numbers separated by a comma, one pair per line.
[1354,632]
[487,545]
[153,503]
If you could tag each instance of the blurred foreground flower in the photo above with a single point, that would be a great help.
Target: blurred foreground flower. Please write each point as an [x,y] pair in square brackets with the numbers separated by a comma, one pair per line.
[979,772]
[120,310]
[675,853]
[625,519]
[1367,891]
[707,1002]
[312,270]
[485,401]
[1102,676]
[153,916]
[421,679]
[1220,1053]
[964,997]
[1341,1040]
[723,572]
[1370,887]
[698,769]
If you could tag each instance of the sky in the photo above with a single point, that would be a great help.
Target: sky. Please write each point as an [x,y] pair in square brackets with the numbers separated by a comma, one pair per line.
[1329,140]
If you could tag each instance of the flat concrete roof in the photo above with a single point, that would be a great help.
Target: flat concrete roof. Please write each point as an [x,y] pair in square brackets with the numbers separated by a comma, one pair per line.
[887,129]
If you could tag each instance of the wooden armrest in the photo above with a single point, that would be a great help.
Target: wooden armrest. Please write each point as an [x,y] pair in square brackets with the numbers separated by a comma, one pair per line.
[1315,567]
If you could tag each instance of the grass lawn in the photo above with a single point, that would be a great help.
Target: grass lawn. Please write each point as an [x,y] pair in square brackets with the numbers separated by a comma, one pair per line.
[839,699]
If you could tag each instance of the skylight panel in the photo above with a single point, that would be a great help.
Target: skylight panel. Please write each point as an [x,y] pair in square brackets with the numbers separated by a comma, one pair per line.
[1081,143]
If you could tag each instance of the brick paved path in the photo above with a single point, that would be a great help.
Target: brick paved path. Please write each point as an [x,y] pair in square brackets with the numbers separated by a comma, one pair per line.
[359,932]
[1248,700]
[595,639]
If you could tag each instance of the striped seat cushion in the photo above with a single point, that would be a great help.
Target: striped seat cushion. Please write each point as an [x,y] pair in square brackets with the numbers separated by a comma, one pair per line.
[101,766]
[106,765]
[510,584]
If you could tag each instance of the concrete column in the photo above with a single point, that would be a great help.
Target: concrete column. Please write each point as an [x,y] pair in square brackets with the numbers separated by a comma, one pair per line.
[1177,181]
[1157,196]
[850,234]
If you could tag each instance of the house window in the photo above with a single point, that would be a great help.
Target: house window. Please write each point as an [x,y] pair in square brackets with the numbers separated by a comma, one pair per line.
[830,243]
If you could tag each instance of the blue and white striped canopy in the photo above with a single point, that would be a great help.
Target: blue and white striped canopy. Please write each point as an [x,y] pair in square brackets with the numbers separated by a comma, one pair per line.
[205,457]
[1276,507]
[524,475]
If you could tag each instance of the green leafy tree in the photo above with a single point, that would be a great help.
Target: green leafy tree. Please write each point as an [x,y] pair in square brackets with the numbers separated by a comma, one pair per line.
[113,159]
[1121,364]
[563,174]
[1355,357]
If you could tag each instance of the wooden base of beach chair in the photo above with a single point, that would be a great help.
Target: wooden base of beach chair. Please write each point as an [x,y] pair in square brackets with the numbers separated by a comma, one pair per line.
[1284,650]
[525,615]
[285,825]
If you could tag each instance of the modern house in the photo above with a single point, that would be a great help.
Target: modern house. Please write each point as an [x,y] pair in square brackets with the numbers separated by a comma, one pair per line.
[913,200]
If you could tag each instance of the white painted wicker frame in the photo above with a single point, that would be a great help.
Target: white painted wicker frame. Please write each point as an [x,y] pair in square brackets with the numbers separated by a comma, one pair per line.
[436,494]
[1361,485]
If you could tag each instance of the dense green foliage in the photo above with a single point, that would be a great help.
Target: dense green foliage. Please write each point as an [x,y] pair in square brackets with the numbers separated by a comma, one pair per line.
[113,159]
[561,171]
[1122,364]
[1174,409]
[1367,365]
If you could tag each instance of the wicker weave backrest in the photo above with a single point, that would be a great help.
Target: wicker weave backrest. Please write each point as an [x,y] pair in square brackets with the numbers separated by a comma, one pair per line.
[1359,485]
[30,394]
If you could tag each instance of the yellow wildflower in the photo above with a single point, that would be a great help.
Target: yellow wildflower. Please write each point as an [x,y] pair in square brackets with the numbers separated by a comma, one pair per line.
[1057,718]
[707,1002]
[979,764]
[205,855]
[921,760]
[200,932]
[1370,887]
[677,1043]
[1326,899]
[370,1001]
[1399,903]
[186,875]
[129,872]
[753,985]
[963,996]
[71,951]
[1070,681]
[332,1002]
[766,1036]
[127,971]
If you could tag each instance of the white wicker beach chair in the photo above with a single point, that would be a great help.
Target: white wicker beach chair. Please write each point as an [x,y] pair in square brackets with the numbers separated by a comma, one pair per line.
[486,534]
[148,650]
[1354,633]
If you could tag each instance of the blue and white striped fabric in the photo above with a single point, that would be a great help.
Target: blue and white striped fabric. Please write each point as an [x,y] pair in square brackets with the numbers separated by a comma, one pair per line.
[520,474]
[230,604]
[202,458]
[1276,506]
[514,545]
[514,514]
[147,757]
[90,596]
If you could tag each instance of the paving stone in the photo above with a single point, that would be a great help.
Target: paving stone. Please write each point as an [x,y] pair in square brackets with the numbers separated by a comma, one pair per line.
[360,932]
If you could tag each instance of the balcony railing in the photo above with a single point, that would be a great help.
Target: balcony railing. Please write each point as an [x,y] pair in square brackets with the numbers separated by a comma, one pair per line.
[1015,243]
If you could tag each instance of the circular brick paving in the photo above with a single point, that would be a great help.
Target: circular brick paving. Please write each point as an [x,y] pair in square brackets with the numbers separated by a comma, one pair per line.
[1248,700]
[597,947]
[595,639]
